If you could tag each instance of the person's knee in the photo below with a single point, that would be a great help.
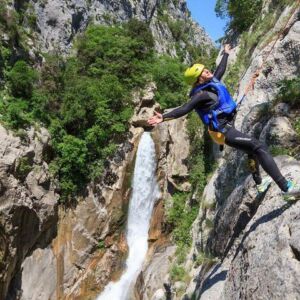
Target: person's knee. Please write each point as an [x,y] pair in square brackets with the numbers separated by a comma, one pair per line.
[259,147]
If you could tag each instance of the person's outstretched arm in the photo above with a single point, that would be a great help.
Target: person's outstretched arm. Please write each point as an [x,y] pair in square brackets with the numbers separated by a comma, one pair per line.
[223,64]
[175,113]
[178,112]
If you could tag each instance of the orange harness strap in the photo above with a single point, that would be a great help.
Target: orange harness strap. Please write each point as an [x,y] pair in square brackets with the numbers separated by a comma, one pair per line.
[217,137]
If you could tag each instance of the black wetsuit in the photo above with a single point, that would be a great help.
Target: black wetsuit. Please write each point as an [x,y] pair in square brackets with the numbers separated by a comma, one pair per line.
[257,151]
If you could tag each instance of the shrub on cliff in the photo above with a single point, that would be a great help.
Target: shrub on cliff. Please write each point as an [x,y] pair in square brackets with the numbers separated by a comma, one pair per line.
[21,78]
[289,92]
[171,89]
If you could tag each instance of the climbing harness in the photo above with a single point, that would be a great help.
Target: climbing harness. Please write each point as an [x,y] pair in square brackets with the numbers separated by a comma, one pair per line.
[217,137]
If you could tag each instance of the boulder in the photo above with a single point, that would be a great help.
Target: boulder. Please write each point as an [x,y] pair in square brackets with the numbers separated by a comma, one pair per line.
[279,131]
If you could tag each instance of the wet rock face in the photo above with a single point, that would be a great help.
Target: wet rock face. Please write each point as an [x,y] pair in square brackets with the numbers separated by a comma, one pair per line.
[28,202]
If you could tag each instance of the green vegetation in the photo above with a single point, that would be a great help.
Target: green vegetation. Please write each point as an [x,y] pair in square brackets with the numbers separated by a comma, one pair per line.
[297,126]
[201,163]
[182,217]
[171,89]
[101,245]
[242,13]
[85,100]
[183,31]
[289,92]
[185,210]
[204,258]
[23,168]
[178,273]
[21,79]
[278,150]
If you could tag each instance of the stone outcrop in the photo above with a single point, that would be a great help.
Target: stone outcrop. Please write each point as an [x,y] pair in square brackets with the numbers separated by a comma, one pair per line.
[260,255]
[28,202]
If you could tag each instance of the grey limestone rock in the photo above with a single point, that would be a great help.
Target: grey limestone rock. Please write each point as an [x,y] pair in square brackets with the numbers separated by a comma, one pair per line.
[58,22]
[28,203]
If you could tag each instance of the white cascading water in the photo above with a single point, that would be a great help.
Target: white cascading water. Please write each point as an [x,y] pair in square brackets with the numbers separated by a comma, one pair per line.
[145,192]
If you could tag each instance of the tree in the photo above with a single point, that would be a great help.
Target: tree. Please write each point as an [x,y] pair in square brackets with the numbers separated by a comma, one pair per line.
[21,78]
[242,13]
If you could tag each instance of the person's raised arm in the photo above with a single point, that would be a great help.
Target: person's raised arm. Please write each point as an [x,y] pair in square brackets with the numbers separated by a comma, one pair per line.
[223,64]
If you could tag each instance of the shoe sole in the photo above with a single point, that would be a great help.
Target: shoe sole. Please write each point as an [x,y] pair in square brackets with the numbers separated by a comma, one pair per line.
[292,196]
[266,186]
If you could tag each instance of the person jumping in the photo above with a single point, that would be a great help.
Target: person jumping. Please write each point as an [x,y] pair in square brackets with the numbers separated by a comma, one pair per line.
[212,101]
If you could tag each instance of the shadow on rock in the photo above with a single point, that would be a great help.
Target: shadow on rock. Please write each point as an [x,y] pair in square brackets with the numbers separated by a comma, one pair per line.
[264,219]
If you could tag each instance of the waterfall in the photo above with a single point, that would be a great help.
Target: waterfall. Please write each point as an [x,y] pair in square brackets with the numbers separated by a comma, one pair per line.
[144,193]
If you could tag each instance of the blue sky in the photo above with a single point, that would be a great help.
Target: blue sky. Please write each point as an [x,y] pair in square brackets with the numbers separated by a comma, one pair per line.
[203,11]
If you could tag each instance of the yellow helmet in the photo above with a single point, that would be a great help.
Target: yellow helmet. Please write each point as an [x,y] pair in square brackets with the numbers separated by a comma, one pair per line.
[191,74]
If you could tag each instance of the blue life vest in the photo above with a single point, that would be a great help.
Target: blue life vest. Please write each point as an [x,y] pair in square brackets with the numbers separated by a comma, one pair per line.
[225,105]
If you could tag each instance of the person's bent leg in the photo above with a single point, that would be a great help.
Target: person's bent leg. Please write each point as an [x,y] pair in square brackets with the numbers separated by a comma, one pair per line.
[241,141]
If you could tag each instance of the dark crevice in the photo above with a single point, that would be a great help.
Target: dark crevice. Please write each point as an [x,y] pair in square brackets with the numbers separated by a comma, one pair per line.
[296,252]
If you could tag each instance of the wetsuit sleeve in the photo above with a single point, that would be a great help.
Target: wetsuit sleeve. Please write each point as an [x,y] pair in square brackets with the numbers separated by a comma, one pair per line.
[180,111]
[221,67]
[196,100]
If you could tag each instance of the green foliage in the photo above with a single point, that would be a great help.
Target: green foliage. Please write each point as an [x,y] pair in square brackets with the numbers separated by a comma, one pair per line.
[205,258]
[184,212]
[13,113]
[200,162]
[178,273]
[183,31]
[289,92]
[278,150]
[84,100]
[72,162]
[23,168]
[113,50]
[101,245]
[297,126]
[21,78]
[171,89]
[182,217]
[179,30]
[242,13]
[140,32]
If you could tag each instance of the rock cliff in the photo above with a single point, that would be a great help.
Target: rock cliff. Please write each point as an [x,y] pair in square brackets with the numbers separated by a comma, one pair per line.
[253,235]
[56,23]
[245,246]
[28,205]
[49,251]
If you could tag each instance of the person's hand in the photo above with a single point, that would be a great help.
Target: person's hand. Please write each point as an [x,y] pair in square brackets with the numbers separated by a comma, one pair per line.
[156,119]
[227,48]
